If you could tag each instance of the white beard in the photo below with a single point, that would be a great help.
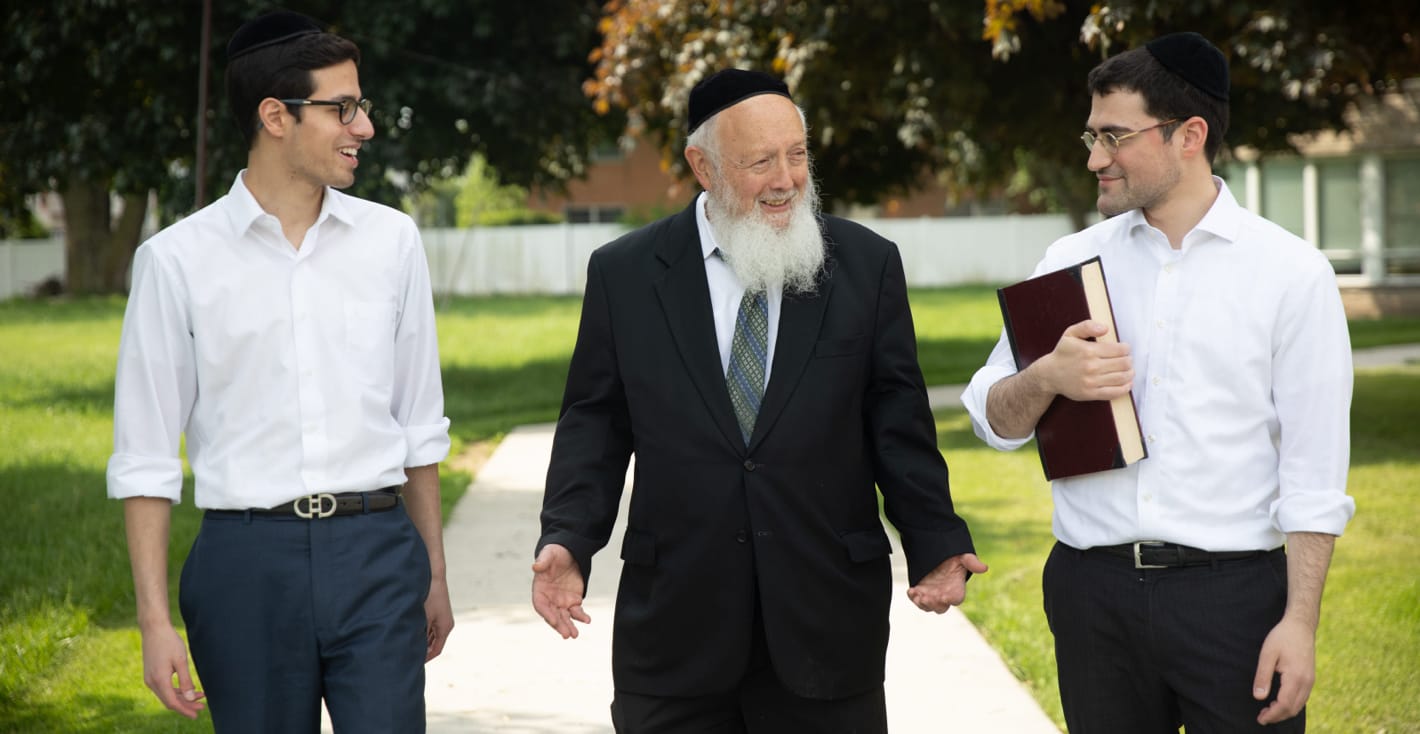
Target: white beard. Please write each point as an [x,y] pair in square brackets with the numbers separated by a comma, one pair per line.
[763,255]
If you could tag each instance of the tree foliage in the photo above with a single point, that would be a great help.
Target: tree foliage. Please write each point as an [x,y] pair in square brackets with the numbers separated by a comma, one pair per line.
[989,93]
[103,97]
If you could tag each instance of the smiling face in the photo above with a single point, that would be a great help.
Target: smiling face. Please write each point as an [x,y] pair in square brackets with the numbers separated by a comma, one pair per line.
[763,158]
[1146,168]
[321,150]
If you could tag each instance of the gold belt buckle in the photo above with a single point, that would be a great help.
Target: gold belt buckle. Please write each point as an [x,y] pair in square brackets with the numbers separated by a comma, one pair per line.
[315,506]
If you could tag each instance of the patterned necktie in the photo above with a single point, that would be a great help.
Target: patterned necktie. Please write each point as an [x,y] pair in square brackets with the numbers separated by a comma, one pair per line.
[748,353]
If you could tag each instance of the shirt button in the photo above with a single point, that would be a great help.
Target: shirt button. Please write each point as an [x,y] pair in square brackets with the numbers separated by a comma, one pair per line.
[749,465]
[1168,268]
[1148,498]
[1151,438]
[1157,380]
[741,536]
[1159,324]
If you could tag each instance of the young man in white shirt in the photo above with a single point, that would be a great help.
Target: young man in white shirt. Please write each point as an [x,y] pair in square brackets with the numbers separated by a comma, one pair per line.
[288,331]
[1170,597]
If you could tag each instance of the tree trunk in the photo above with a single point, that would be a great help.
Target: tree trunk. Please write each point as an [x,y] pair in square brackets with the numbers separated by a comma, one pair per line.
[97,252]
[124,241]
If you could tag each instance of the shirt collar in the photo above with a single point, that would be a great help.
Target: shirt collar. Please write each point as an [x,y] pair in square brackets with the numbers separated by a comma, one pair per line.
[702,222]
[243,209]
[1224,219]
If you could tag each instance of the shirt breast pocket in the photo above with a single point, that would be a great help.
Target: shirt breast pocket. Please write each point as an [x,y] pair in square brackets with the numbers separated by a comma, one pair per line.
[369,327]
[369,340]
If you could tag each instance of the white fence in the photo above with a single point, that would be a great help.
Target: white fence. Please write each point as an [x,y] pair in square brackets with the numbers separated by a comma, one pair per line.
[552,259]
[24,264]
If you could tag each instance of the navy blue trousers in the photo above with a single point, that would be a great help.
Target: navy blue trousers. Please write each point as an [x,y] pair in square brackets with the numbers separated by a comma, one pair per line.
[282,612]
[1146,651]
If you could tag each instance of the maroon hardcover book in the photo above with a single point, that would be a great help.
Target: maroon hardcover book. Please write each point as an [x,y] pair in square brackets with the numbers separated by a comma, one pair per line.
[1073,437]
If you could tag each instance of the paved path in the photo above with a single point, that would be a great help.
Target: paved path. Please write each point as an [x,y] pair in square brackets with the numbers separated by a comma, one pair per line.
[505,671]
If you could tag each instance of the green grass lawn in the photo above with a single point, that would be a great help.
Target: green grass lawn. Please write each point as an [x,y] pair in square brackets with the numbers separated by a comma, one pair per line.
[69,652]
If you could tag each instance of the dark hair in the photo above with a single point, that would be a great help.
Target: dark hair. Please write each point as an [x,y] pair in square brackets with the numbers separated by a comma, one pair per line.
[1166,95]
[282,71]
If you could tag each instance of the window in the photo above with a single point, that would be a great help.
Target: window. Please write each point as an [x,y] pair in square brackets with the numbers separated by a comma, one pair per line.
[1282,194]
[1339,200]
[1402,215]
[594,213]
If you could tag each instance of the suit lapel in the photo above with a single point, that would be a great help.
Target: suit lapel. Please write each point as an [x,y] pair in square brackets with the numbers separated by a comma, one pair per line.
[684,294]
[799,320]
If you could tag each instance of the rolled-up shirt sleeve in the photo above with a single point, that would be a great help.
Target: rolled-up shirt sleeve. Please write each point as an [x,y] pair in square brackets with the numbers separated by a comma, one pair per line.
[999,366]
[155,386]
[1311,388]
[418,403]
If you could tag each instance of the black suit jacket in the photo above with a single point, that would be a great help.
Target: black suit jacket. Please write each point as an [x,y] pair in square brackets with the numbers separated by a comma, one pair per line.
[794,516]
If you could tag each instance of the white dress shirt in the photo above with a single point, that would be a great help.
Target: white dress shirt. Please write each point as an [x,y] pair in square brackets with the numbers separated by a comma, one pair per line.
[726,291]
[1242,367]
[291,371]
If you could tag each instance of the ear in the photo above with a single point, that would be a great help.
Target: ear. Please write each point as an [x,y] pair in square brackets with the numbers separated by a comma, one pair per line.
[275,119]
[1195,136]
[699,165]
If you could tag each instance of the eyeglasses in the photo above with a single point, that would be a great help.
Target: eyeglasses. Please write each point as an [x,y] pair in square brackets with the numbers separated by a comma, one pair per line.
[347,106]
[1111,141]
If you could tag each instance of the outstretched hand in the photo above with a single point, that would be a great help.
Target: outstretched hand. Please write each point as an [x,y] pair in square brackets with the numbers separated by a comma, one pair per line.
[945,586]
[557,590]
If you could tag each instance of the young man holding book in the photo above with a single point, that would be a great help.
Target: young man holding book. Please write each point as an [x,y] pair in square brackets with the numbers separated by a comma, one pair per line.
[1169,593]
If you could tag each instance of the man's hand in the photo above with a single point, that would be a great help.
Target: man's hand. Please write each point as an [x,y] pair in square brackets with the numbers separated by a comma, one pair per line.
[1290,650]
[557,590]
[440,615]
[945,586]
[1082,370]
[165,655]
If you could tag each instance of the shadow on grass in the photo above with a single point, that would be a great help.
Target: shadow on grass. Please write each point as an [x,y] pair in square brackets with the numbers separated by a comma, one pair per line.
[96,397]
[92,714]
[483,402]
[1383,412]
[952,361]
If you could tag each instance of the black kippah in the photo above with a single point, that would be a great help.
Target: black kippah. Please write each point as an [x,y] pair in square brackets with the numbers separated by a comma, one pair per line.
[729,87]
[1192,57]
[269,30]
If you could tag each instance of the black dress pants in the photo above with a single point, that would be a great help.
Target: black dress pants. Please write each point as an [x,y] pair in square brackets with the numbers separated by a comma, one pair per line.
[1148,650]
[760,704]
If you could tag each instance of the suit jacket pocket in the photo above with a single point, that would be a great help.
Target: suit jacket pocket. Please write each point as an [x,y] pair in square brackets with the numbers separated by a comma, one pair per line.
[638,548]
[840,347]
[866,545]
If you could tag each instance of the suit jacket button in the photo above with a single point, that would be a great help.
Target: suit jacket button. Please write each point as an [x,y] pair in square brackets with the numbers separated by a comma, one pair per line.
[741,537]
[749,465]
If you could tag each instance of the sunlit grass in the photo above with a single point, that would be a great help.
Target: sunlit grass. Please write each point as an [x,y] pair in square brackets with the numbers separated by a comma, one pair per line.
[69,652]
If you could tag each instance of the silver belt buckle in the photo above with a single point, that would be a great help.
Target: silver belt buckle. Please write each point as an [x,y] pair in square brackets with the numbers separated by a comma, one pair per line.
[315,506]
[1138,562]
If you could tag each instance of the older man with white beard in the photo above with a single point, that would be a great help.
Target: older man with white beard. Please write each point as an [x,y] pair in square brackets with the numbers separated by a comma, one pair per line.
[760,362]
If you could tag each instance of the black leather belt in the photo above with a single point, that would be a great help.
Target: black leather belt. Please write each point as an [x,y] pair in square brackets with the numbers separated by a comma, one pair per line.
[1158,554]
[326,504]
